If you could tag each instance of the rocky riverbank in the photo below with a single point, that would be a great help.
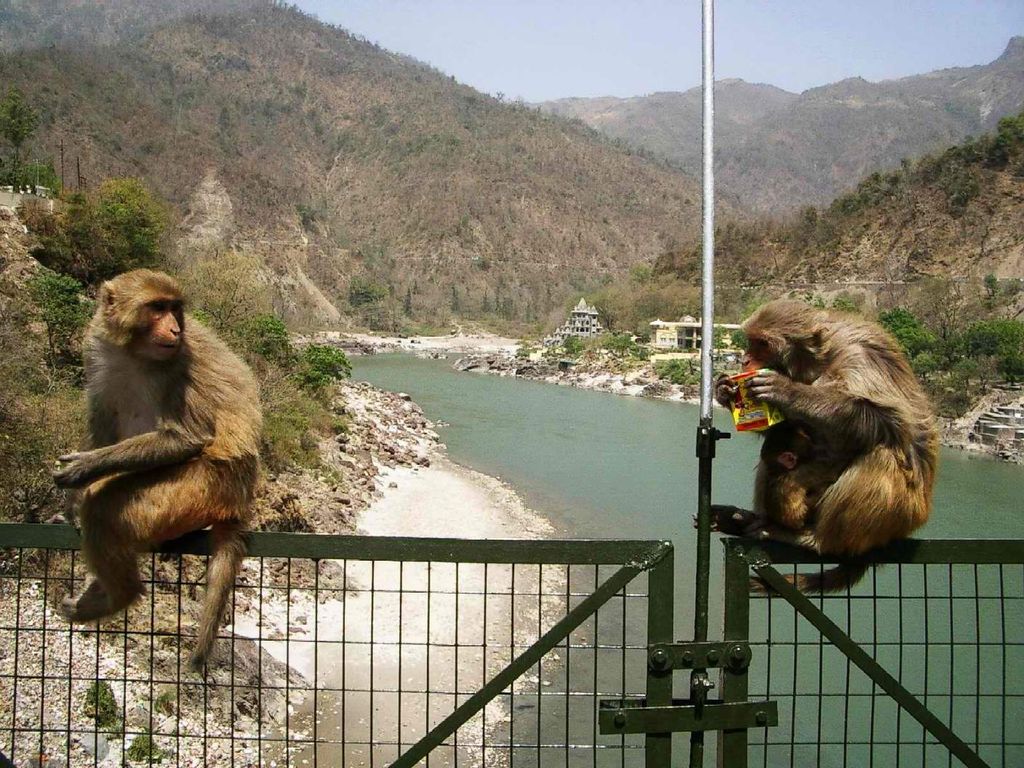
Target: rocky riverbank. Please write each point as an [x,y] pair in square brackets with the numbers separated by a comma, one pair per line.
[454,343]
[600,375]
[384,471]
[375,430]
[606,375]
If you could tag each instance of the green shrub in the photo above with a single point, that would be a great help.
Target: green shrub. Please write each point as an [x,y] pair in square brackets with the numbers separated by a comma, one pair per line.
[96,236]
[291,422]
[622,344]
[363,291]
[908,331]
[144,749]
[267,336]
[319,366]
[681,372]
[64,311]
[101,706]
[572,346]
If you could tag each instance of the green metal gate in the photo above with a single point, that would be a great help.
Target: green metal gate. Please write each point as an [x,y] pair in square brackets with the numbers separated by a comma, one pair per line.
[342,651]
[919,665]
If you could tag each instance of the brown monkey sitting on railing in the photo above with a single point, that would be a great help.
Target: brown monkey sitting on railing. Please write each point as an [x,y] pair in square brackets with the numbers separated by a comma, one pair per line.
[174,429]
[847,380]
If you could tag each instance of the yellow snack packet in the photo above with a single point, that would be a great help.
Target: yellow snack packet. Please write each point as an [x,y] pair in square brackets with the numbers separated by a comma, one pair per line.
[751,415]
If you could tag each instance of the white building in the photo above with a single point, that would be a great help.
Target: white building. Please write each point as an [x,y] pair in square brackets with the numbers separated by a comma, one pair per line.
[582,323]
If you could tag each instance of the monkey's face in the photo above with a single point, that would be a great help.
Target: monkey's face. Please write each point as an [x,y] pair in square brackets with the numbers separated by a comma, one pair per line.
[759,354]
[162,327]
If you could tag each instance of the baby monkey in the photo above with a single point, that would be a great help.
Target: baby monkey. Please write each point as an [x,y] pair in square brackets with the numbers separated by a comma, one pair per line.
[792,475]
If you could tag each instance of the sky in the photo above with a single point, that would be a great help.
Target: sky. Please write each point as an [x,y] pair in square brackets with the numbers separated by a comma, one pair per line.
[538,50]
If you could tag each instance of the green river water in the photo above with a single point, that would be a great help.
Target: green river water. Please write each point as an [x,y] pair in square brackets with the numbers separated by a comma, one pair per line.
[606,466]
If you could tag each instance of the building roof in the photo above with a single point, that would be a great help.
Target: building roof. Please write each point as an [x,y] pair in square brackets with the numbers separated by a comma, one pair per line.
[585,308]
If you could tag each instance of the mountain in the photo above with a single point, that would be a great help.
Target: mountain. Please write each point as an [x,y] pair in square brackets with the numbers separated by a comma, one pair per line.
[955,214]
[778,151]
[349,170]
[26,24]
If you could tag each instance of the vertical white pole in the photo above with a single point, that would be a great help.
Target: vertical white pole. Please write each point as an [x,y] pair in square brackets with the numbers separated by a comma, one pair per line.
[708,273]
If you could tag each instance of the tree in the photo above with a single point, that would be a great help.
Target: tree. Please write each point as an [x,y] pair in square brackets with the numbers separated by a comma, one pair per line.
[363,291]
[18,121]
[1002,341]
[622,344]
[132,222]
[321,365]
[267,336]
[63,311]
[95,237]
[907,330]
[572,346]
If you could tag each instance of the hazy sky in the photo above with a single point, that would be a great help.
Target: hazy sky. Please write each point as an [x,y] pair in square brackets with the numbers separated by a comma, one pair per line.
[540,50]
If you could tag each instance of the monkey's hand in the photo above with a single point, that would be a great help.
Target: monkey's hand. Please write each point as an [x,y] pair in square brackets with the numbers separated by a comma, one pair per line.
[73,471]
[725,390]
[736,521]
[771,387]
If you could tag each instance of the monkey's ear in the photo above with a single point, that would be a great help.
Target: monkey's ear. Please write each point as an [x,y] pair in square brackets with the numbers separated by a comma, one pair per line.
[106,297]
[816,341]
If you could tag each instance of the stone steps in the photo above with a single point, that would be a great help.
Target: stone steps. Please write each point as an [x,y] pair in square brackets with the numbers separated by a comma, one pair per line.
[1003,425]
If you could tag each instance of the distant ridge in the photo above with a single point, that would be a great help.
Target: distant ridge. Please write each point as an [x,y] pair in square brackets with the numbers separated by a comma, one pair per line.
[779,151]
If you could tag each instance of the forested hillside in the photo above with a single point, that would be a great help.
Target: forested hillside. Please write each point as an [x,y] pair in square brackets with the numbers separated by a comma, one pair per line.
[362,179]
[954,214]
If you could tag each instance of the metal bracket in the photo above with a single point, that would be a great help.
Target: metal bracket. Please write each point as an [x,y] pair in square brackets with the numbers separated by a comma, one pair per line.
[706,439]
[734,655]
[621,716]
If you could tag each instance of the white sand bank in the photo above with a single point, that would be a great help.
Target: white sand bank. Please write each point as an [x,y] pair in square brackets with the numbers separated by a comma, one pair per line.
[448,500]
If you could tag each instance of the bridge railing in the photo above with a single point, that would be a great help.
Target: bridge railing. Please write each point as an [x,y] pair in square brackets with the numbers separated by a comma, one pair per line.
[338,651]
[920,664]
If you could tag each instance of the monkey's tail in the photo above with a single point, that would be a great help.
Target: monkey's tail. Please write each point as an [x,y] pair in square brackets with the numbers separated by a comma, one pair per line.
[225,562]
[837,579]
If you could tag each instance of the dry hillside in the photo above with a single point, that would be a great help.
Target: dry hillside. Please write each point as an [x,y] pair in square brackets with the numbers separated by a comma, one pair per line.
[342,164]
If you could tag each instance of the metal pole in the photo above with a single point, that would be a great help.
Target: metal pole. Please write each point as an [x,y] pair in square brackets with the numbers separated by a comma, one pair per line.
[706,435]
[708,274]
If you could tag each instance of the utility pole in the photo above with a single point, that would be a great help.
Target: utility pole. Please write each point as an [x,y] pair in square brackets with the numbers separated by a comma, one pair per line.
[62,163]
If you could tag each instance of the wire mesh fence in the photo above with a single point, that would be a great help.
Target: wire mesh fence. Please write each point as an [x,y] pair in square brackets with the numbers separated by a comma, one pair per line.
[344,660]
[950,630]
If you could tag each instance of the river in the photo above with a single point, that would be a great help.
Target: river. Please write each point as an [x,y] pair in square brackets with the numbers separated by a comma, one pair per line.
[605,465]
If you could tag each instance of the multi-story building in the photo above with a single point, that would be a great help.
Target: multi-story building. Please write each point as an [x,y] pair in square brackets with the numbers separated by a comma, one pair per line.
[583,323]
[684,335]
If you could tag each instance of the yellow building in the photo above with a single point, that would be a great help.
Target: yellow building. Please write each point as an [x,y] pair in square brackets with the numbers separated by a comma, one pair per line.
[684,334]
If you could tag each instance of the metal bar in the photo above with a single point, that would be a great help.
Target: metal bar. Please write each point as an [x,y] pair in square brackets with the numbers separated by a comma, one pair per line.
[660,628]
[569,552]
[699,682]
[635,716]
[909,551]
[732,744]
[530,656]
[868,665]
[389,548]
